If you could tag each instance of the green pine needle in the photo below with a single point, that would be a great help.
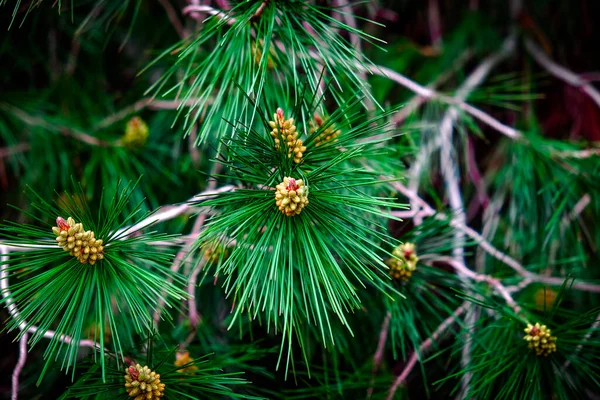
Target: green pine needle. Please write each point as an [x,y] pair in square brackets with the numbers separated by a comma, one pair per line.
[54,291]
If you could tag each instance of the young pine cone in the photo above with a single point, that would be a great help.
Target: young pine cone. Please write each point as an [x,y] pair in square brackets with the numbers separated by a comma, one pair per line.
[79,243]
[136,133]
[215,251]
[183,359]
[291,196]
[405,264]
[540,339]
[286,130]
[327,135]
[143,384]
[257,52]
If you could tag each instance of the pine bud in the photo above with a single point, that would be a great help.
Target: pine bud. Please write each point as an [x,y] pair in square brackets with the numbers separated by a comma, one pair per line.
[405,264]
[540,339]
[93,331]
[215,251]
[328,134]
[183,359]
[257,52]
[291,196]
[285,130]
[544,298]
[143,384]
[79,243]
[136,133]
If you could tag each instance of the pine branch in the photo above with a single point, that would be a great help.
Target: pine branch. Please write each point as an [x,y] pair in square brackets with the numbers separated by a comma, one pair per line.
[528,277]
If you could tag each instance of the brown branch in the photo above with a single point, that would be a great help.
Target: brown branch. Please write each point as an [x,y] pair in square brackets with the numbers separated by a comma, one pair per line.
[378,356]
[12,150]
[172,15]
[400,379]
[39,122]
[19,366]
[417,101]
[494,283]
[561,72]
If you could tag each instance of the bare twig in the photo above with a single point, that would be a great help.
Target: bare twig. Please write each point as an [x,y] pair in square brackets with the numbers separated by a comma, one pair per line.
[14,312]
[462,269]
[193,314]
[561,72]
[435,24]
[11,150]
[260,9]
[416,101]
[209,10]
[450,173]
[141,104]
[187,246]
[400,379]
[19,366]
[431,94]
[173,211]
[529,277]
[39,122]
[172,14]
[580,154]
[378,356]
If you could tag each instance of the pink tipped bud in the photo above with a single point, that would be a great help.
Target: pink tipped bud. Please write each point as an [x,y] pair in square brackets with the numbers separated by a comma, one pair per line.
[62,224]
[318,119]
[292,185]
[134,373]
[534,331]
[407,253]
[280,113]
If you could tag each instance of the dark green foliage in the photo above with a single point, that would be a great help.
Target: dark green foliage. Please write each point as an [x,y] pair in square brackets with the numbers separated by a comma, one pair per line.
[303,306]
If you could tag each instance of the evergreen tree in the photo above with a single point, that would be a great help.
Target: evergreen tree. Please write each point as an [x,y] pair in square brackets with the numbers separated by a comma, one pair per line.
[235,199]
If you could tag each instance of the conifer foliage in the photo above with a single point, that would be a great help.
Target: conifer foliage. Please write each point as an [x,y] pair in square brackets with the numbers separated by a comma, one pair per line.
[252,199]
